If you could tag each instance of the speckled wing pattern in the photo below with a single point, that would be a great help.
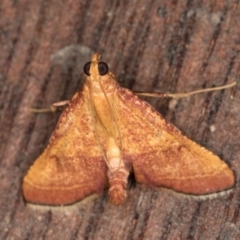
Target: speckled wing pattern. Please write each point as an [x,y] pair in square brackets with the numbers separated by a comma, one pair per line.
[71,167]
[161,156]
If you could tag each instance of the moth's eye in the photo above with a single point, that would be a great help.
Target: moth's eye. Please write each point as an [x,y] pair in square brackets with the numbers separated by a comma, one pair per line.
[102,68]
[86,68]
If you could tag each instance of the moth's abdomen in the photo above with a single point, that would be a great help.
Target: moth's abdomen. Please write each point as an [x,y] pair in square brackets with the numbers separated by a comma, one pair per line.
[118,185]
[117,173]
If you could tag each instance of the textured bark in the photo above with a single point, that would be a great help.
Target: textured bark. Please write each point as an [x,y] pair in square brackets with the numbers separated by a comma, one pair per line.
[149,45]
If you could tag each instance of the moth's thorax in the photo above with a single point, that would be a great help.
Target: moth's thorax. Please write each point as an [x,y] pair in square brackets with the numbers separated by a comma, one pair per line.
[102,97]
[102,84]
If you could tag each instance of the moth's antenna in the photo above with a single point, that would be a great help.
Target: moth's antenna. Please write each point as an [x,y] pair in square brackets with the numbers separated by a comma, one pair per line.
[182,95]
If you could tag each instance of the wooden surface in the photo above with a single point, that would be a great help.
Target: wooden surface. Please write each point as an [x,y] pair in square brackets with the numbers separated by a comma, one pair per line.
[149,45]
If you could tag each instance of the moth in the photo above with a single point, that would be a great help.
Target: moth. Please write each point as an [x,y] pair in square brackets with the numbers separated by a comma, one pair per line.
[106,132]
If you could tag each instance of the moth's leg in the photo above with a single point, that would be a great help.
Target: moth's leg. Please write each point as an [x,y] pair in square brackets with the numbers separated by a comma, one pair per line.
[52,108]
[61,103]
[182,95]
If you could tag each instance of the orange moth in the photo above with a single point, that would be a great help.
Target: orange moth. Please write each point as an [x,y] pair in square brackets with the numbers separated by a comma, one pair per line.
[107,131]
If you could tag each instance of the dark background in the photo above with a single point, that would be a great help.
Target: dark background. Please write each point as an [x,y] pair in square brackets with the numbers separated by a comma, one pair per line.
[150,46]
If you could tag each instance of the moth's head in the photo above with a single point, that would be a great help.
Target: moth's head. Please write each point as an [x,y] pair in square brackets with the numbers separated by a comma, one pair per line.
[96,68]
